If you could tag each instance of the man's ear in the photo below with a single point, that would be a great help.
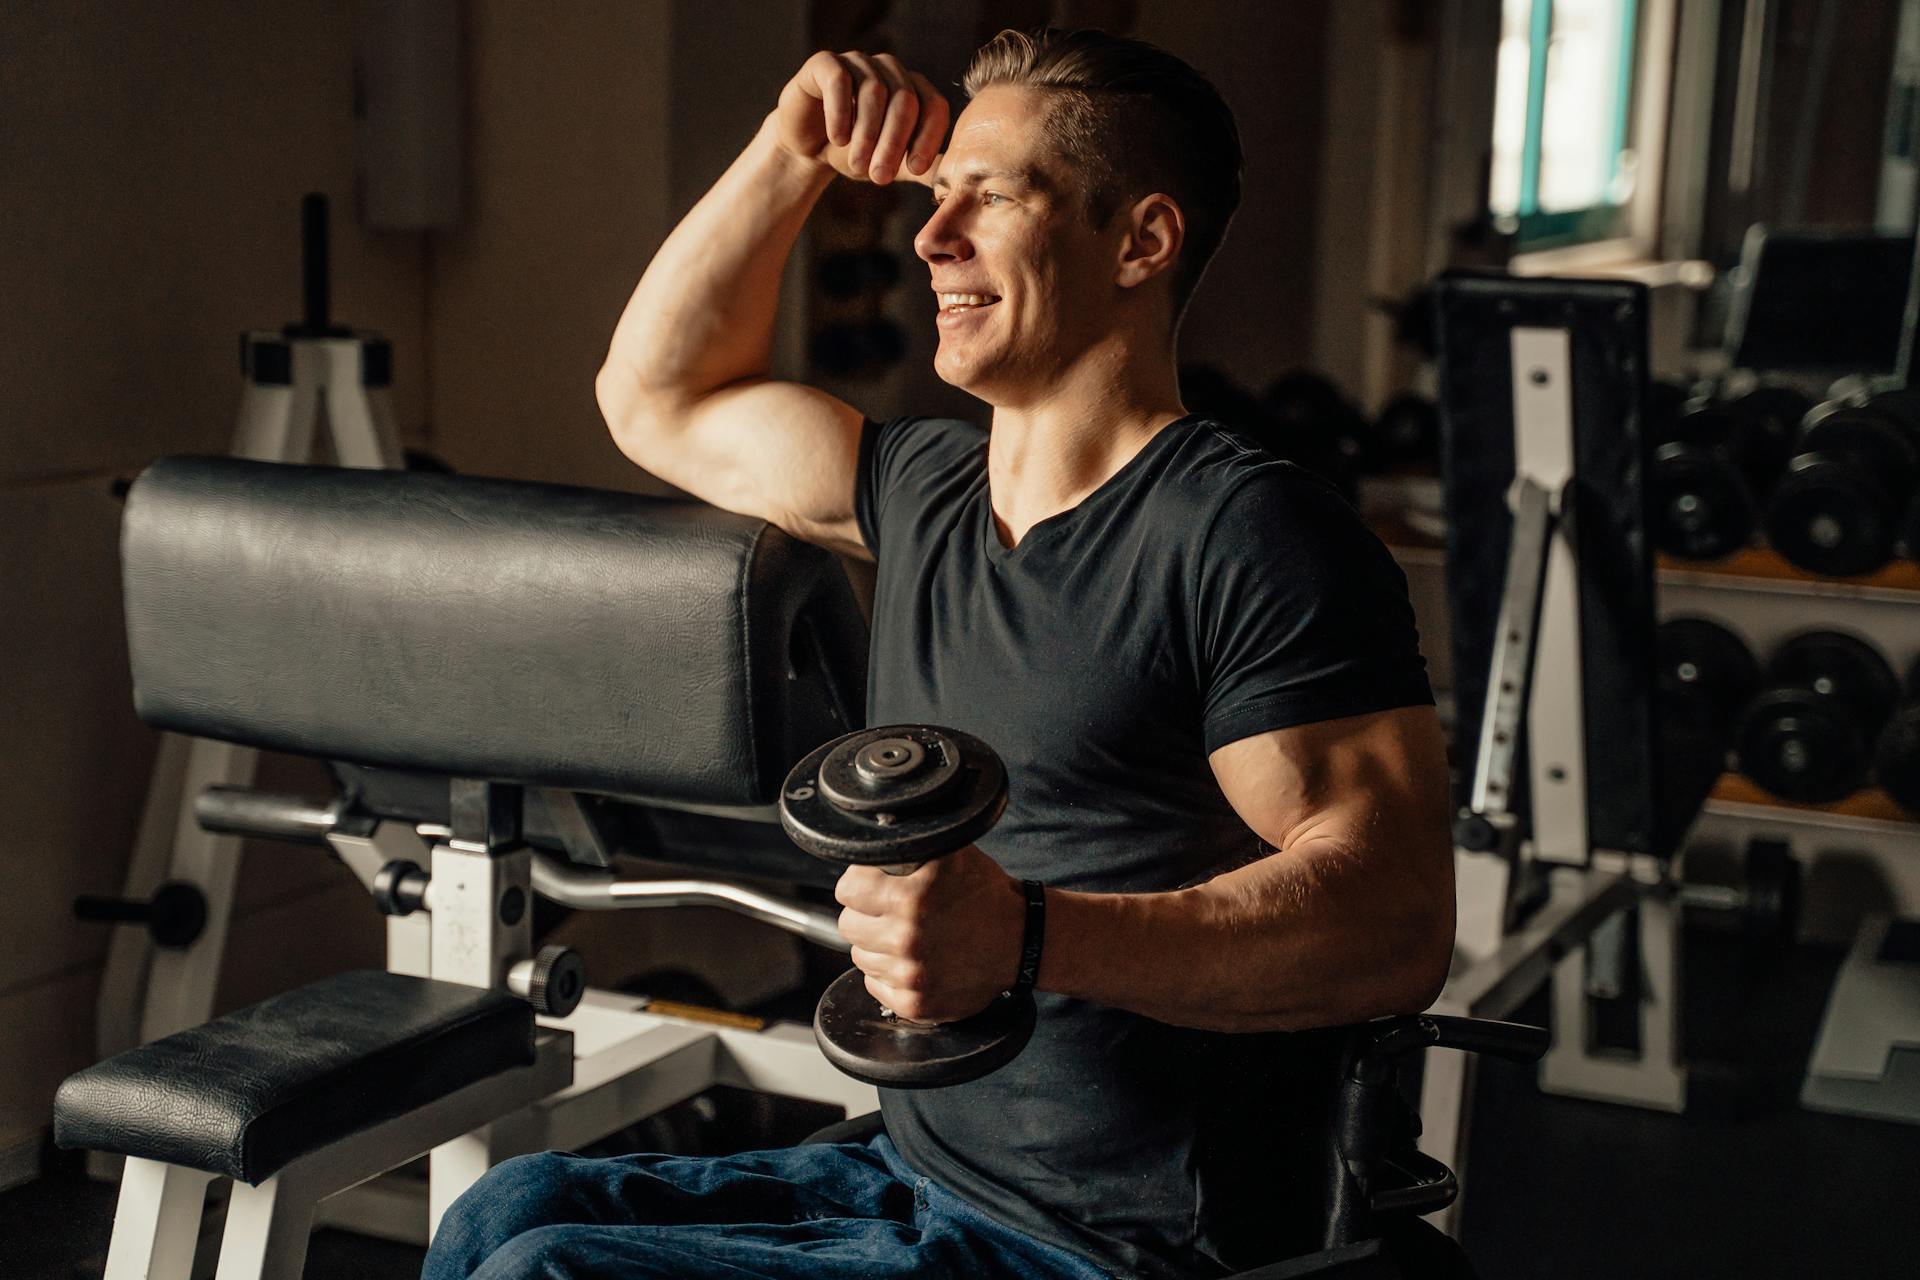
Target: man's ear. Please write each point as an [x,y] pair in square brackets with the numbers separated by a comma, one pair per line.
[1156,230]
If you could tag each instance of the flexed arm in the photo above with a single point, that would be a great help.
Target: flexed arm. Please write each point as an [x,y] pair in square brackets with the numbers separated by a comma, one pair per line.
[685,389]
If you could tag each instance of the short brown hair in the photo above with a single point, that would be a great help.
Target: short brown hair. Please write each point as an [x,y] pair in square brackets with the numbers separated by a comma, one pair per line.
[1132,119]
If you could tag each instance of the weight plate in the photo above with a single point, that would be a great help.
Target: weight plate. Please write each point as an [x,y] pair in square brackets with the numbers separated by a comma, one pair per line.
[1896,764]
[860,1038]
[893,795]
[1841,666]
[1702,656]
[1828,516]
[1701,507]
[1802,746]
[1902,405]
[1884,448]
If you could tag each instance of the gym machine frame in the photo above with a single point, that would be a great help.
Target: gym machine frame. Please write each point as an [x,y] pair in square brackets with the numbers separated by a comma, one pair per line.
[1537,900]
[311,370]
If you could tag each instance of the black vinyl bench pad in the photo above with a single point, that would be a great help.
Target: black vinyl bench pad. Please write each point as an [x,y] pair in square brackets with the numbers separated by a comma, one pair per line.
[244,1095]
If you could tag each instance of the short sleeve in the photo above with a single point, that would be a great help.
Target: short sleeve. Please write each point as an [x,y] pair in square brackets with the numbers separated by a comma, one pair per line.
[1302,613]
[909,453]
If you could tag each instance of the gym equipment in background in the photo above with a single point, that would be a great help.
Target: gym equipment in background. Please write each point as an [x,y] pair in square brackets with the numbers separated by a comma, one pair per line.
[1856,467]
[1896,759]
[1407,431]
[309,376]
[1705,677]
[1543,394]
[1808,735]
[1714,463]
[1819,301]
[896,797]
[1866,1058]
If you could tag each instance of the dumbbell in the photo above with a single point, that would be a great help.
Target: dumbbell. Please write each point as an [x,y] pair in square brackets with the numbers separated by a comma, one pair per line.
[1406,431]
[1706,672]
[1704,677]
[1838,508]
[1896,761]
[1764,908]
[1809,734]
[897,797]
[1713,464]
[1320,429]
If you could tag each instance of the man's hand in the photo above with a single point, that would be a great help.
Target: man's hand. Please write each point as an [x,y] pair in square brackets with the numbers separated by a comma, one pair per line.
[940,944]
[863,116]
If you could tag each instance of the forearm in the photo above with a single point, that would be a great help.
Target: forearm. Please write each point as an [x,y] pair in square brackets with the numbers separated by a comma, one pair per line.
[1311,937]
[703,314]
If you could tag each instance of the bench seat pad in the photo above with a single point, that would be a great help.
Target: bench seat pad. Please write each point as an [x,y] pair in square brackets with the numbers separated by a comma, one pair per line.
[247,1093]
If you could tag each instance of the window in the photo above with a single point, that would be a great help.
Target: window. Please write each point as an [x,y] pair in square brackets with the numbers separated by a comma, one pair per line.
[1563,169]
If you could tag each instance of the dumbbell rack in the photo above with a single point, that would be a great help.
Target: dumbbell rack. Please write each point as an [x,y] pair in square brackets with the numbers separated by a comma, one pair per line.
[1874,1015]
[309,372]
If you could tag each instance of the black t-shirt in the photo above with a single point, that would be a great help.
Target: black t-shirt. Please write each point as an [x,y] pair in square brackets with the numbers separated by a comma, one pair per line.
[1205,593]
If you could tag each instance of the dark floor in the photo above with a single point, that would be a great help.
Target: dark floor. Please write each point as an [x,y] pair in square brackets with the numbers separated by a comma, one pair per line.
[1558,1188]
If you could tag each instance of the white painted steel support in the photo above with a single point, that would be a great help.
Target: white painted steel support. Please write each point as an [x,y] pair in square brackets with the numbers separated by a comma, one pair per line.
[1556,720]
[1655,1078]
[157,1222]
[145,991]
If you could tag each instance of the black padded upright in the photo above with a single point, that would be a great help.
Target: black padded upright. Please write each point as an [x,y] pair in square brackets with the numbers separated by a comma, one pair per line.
[245,1094]
[486,629]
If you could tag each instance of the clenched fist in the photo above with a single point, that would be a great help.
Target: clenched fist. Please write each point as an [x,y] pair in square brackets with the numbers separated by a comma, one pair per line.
[937,945]
[864,116]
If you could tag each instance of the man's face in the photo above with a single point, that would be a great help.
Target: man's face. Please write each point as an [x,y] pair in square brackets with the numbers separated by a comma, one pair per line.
[1023,283]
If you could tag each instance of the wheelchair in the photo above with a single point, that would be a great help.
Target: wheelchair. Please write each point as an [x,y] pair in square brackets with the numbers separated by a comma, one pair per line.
[513,684]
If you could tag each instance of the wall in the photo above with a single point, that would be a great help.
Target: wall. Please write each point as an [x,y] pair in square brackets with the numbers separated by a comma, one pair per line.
[570,191]
[154,159]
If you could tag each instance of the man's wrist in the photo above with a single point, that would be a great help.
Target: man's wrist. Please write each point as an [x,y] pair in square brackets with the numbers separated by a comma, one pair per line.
[807,169]
[1033,936]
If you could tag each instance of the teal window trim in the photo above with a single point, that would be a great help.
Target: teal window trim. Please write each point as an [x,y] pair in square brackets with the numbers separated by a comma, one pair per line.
[1539,35]
[1538,230]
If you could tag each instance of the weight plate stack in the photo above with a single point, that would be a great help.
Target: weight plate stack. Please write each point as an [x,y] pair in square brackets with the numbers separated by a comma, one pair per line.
[1808,736]
[1836,512]
[1896,763]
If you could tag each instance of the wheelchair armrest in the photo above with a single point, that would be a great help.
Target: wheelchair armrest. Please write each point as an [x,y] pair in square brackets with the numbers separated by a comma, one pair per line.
[1393,1038]
[1412,1182]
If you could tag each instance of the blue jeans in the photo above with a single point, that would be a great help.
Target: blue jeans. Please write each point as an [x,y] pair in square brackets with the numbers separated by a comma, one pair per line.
[853,1212]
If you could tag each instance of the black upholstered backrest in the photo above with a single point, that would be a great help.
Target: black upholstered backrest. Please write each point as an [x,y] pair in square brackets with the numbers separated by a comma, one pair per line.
[486,629]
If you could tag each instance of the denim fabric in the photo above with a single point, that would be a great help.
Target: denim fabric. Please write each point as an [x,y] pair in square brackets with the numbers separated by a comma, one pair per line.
[852,1212]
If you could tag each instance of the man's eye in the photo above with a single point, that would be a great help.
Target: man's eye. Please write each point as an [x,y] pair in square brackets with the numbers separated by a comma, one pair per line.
[992,197]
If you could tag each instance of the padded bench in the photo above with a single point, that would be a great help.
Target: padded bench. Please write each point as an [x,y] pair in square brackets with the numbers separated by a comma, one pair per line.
[248,1093]
[295,1098]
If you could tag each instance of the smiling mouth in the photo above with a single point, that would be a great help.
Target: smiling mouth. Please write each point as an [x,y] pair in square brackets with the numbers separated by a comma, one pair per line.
[952,304]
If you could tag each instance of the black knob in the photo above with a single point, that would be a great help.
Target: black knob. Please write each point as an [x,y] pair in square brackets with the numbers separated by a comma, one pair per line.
[556,978]
[175,915]
[400,887]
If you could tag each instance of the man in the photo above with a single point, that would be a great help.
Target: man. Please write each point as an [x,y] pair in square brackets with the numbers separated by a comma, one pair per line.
[1199,667]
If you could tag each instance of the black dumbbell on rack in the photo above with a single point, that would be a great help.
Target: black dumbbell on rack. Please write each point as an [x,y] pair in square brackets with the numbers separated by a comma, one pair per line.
[1704,678]
[1406,432]
[896,797]
[1896,761]
[1809,734]
[1713,465]
[1837,510]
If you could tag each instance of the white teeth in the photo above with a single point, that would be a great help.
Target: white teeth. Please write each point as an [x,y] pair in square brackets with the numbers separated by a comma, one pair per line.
[965,299]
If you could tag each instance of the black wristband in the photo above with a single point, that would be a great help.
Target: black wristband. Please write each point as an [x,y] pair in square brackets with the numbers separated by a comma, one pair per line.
[1033,934]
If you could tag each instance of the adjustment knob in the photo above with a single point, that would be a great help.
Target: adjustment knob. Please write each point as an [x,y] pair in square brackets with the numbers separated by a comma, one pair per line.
[552,982]
[175,915]
[400,887]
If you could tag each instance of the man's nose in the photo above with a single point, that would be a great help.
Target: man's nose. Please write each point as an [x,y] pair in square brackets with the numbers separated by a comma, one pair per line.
[942,239]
